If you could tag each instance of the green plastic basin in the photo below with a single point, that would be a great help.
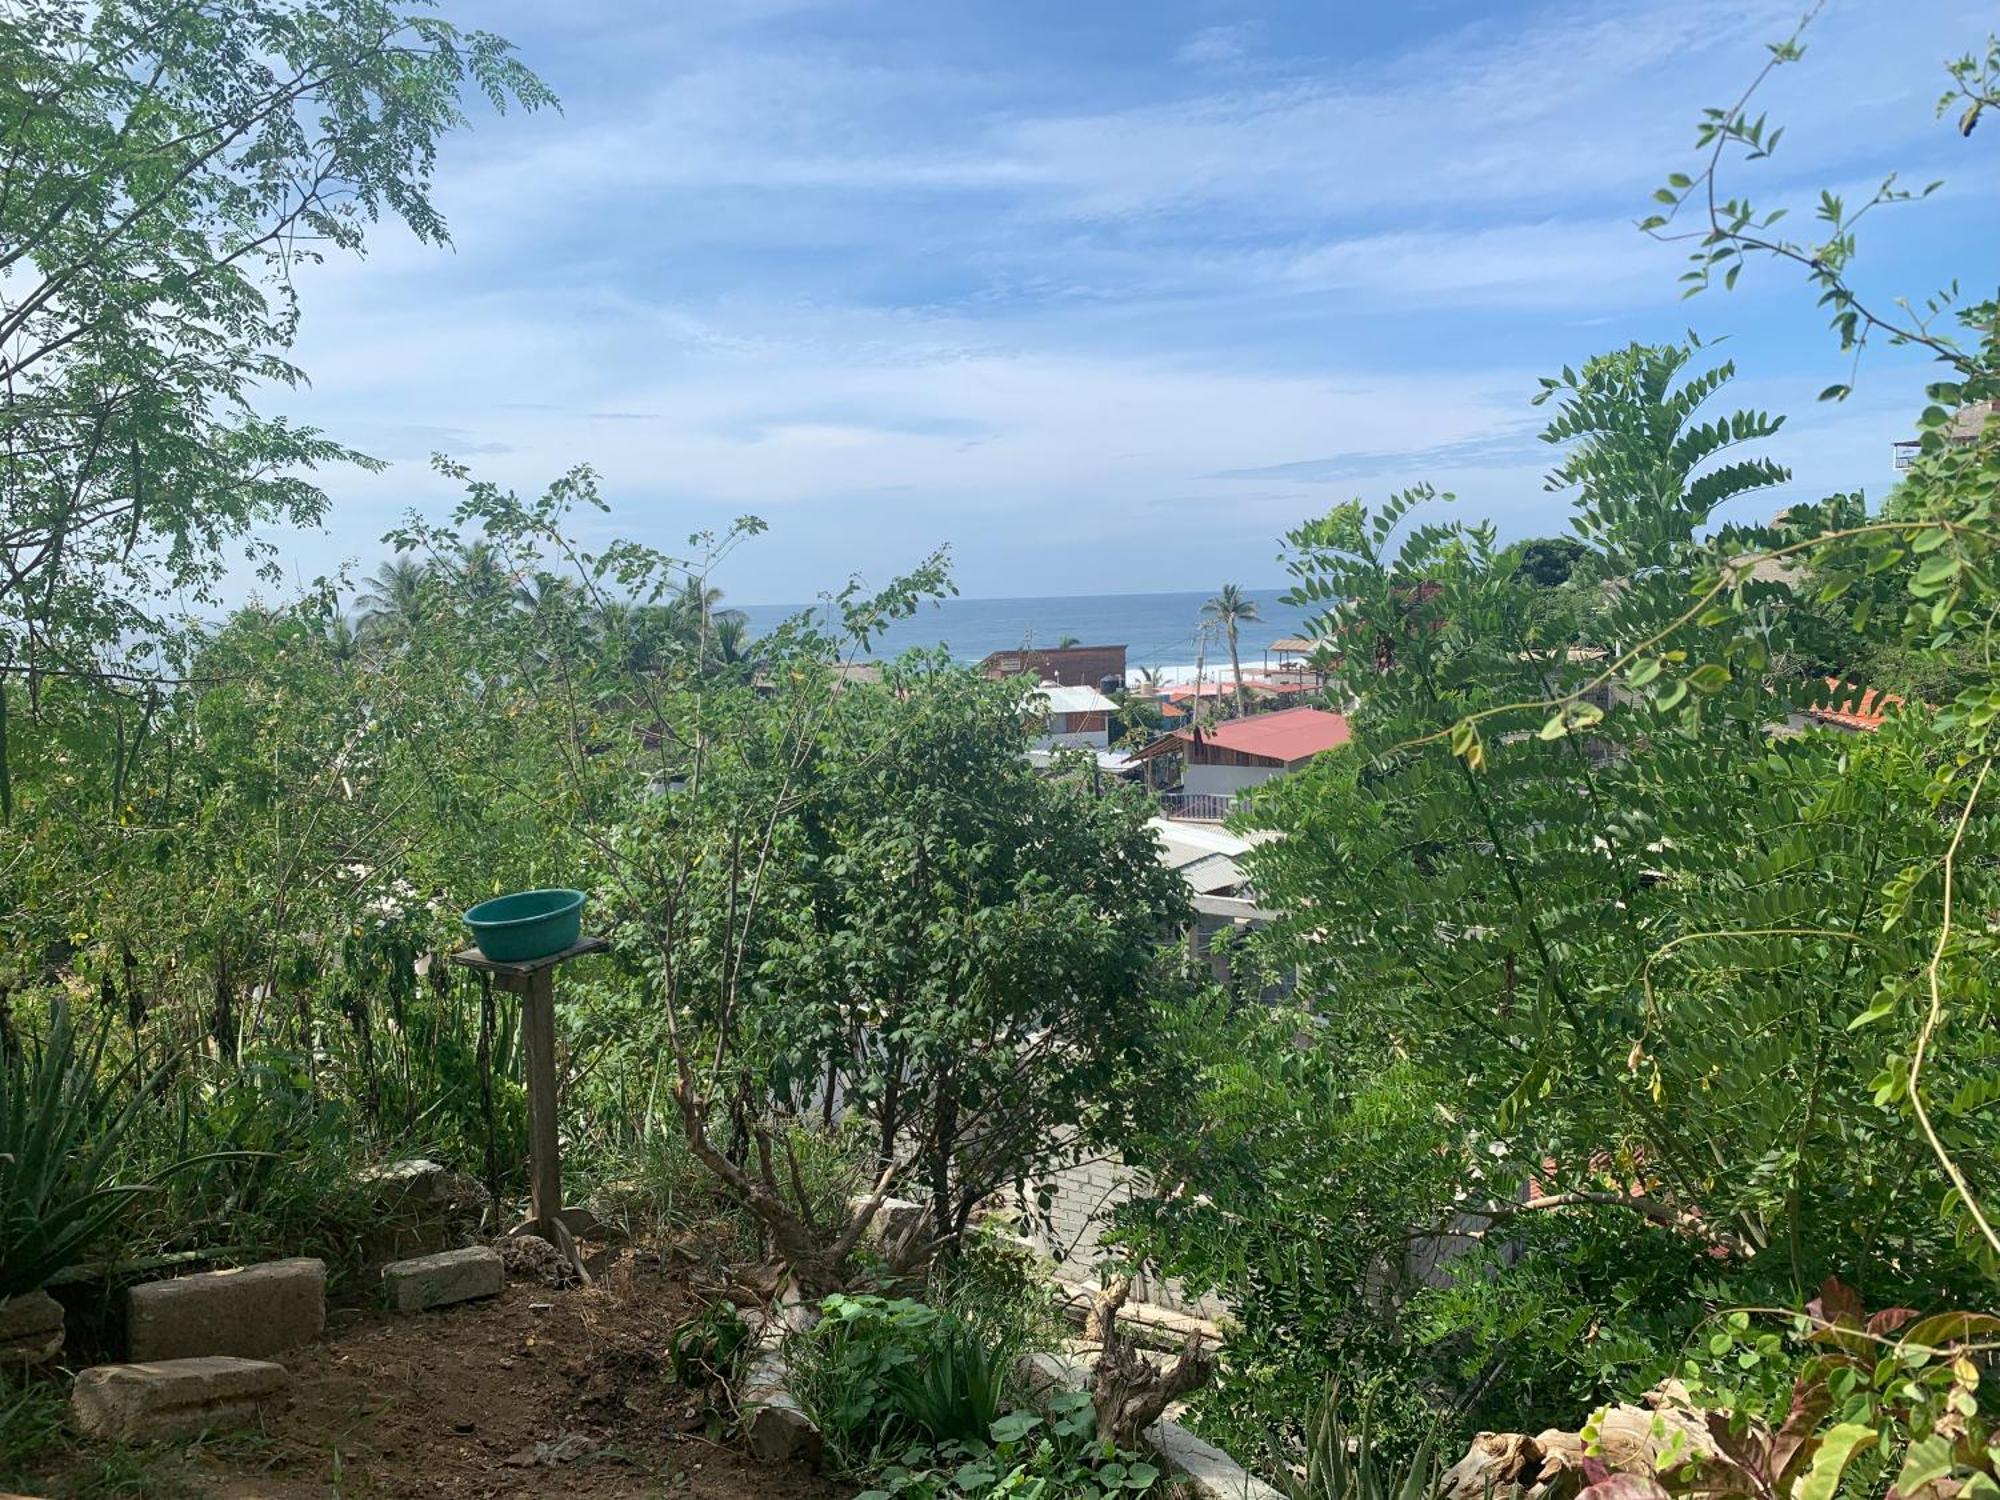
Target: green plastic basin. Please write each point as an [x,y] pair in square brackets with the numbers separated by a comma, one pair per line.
[526,925]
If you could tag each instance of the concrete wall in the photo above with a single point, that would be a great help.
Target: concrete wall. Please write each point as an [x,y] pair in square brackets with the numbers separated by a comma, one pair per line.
[1092,731]
[1067,1233]
[1226,781]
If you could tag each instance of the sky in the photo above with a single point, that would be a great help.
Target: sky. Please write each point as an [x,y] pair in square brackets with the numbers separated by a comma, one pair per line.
[1106,296]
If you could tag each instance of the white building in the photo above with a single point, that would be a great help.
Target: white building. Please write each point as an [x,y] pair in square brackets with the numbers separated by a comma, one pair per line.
[1073,716]
[1220,760]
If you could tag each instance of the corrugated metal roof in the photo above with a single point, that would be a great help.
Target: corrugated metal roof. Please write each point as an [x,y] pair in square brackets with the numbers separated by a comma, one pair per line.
[1289,734]
[1074,700]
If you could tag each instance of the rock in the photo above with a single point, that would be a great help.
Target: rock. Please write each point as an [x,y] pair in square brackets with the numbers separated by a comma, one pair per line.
[775,1426]
[31,1328]
[532,1256]
[249,1313]
[1205,1468]
[564,1450]
[174,1397]
[1044,1373]
[442,1279]
[409,1184]
[897,1230]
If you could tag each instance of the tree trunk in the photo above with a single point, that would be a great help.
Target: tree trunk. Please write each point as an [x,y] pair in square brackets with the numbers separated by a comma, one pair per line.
[1130,1391]
[1236,666]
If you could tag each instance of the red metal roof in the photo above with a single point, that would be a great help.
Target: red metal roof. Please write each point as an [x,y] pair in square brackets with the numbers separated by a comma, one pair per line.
[1289,734]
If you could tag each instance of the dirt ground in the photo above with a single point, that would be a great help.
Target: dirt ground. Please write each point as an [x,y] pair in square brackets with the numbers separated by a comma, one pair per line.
[542,1392]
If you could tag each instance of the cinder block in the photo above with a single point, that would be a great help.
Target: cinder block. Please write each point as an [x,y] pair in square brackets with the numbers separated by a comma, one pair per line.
[174,1397]
[248,1314]
[31,1329]
[442,1279]
[409,1184]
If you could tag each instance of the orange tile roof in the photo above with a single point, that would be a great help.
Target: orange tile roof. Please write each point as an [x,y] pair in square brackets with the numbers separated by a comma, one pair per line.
[1867,712]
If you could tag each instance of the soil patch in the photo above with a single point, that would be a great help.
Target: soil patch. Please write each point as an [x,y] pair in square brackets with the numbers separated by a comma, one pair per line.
[542,1391]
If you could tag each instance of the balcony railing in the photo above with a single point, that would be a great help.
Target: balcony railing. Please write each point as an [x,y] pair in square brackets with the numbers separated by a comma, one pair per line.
[1196,807]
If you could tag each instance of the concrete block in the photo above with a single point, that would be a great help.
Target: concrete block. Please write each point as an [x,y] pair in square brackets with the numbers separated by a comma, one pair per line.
[442,1279]
[174,1397]
[31,1328]
[248,1314]
[897,1225]
[1205,1468]
[775,1426]
[410,1184]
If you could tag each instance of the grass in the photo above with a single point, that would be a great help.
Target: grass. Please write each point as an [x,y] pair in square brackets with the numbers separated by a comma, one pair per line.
[39,1456]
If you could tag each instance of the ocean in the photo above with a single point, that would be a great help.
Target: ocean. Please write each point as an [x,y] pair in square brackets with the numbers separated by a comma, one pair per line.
[1157,630]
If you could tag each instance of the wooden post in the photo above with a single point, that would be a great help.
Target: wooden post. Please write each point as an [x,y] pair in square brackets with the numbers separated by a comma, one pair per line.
[538,1037]
[534,983]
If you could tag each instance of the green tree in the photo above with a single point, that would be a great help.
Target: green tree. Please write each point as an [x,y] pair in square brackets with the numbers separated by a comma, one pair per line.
[1548,561]
[397,599]
[165,169]
[1230,609]
[1595,952]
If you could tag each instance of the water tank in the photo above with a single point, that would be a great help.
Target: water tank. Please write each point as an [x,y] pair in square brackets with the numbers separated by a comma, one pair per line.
[1111,685]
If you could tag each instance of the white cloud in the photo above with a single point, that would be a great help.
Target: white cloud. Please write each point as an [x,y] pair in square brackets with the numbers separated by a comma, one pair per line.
[1215,46]
[1114,296]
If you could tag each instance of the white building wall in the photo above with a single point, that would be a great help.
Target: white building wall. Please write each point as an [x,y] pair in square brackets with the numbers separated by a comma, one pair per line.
[1086,739]
[1226,781]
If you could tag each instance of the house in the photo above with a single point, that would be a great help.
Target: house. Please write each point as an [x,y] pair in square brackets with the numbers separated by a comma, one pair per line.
[1849,709]
[1079,716]
[1964,429]
[1220,760]
[1101,667]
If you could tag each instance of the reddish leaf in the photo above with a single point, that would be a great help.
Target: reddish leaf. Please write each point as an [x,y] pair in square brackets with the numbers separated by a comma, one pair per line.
[1837,1302]
[1950,1328]
[1792,1447]
[1889,1319]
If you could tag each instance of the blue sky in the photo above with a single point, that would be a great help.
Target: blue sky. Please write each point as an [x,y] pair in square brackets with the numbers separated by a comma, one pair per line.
[1104,295]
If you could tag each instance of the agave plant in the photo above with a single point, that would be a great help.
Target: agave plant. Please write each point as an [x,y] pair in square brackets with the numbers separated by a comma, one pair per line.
[1340,1463]
[61,1127]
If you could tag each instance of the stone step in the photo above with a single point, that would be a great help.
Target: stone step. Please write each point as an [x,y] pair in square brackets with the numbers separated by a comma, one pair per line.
[174,1397]
[439,1280]
[248,1314]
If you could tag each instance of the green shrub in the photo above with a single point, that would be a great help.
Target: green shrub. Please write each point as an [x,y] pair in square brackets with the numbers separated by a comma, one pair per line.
[1339,1463]
[1025,1456]
[877,1374]
[1001,1288]
[65,1114]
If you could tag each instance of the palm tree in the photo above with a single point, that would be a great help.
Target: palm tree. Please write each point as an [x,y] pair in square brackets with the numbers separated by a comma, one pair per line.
[1230,608]
[478,573]
[732,644]
[694,610]
[541,591]
[343,646]
[396,600]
